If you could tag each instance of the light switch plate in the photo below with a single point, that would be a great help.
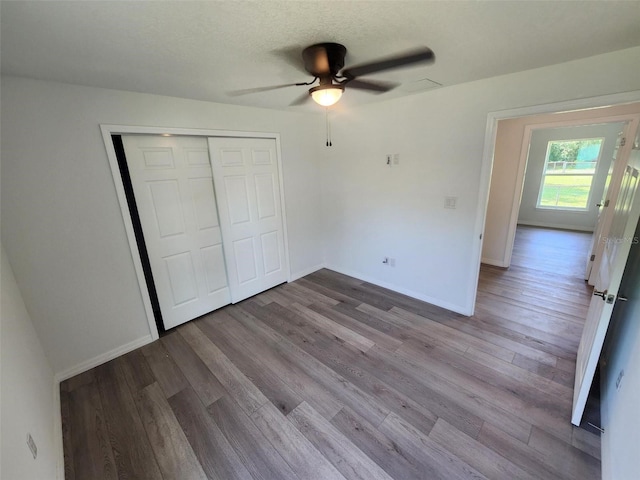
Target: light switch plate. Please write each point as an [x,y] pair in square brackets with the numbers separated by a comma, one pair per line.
[450,202]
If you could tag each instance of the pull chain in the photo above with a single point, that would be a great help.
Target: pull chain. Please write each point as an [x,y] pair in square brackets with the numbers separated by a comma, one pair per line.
[329,144]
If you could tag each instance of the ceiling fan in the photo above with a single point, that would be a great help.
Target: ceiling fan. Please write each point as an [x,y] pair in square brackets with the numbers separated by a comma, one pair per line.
[325,61]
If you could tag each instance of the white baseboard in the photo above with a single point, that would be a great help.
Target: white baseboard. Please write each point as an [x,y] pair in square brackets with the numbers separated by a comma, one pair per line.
[410,293]
[493,262]
[557,226]
[306,271]
[102,358]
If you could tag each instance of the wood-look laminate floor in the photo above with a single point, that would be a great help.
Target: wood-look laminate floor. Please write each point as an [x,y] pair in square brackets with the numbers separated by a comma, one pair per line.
[330,377]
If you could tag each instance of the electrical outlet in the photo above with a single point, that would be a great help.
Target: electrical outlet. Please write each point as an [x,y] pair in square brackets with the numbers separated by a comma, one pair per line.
[32,446]
[392,262]
[619,380]
[396,159]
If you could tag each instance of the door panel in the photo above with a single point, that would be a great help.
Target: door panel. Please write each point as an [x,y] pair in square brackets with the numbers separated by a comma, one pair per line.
[614,257]
[204,202]
[265,196]
[173,187]
[213,259]
[247,183]
[245,260]
[610,196]
[165,202]
[182,278]
[270,252]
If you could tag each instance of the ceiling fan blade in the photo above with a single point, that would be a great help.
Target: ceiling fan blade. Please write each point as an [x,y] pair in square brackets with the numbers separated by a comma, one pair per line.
[379,87]
[246,91]
[421,55]
[301,99]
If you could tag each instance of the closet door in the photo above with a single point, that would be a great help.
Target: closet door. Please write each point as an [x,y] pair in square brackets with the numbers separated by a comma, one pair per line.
[247,182]
[173,188]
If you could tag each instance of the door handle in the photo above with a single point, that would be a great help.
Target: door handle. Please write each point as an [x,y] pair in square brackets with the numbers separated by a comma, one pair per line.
[602,294]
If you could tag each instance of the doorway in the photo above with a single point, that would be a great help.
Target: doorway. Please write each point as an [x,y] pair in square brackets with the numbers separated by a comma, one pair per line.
[510,198]
[511,150]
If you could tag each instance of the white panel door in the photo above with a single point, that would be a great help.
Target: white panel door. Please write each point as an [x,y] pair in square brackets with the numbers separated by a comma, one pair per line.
[247,181]
[173,188]
[605,214]
[614,258]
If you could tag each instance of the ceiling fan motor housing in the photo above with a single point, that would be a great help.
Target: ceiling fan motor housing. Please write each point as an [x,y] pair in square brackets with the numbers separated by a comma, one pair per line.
[324,59]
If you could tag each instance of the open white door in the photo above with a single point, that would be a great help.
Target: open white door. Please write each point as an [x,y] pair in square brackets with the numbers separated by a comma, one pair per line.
[614,257]
[173,188]
[609,198]
[247,182]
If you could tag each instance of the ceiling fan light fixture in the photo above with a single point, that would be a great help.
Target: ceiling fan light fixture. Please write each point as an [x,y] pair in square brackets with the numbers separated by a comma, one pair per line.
[326,95]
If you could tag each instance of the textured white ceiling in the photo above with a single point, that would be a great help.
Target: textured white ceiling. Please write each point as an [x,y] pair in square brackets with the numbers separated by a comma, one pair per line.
[202,50]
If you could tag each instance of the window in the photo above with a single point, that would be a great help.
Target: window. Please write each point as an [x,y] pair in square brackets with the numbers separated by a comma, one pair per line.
[567,178]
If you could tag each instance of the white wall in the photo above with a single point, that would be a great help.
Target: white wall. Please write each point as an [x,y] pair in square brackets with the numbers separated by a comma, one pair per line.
[530,214]
[620,417]
[26,392]
[61,222]
[505,182]
[372,211]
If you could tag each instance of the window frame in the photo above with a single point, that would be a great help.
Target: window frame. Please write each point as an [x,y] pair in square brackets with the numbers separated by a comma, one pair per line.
[592,175]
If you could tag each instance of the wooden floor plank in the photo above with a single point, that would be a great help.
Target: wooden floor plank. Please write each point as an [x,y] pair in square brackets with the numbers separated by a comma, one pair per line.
[248,396]
[216,456]
[168,441]
[378,447]
[519,403]
[298,452]
[517,452]
[260,457]
[203,382]
[137,371]
[566,459]
[337,448]
[430,455]
[345,334]
[165,370]
[465,397]
[129,441]
[474,453]
[344,362]
[291,373]
[377,337]
[90,446]
[329,380]
[257,371]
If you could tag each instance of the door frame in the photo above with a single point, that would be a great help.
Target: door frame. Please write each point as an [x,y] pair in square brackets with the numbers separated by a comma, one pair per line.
[486,168]
[529,129]
[109,129]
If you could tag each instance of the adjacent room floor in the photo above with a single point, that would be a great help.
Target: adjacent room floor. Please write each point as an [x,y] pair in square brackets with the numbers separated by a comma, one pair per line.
[330,377]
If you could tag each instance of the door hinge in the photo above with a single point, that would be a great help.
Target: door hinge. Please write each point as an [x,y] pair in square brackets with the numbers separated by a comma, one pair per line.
[623,141]
[592,258]
[606,202]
